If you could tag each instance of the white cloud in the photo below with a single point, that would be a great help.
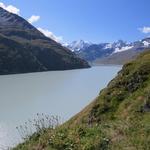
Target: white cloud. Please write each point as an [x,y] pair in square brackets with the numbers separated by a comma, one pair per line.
[145,30]
[10,8]
[49,34]
[33,19]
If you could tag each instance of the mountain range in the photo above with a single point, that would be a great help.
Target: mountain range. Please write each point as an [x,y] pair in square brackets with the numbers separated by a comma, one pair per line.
[24,49]
[118,52]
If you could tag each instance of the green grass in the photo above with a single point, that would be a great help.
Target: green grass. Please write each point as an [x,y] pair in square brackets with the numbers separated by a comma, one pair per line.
[118,119]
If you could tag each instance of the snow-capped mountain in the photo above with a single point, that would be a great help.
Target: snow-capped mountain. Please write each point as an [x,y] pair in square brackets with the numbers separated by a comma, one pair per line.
[79,45]
[121,46]
[91,52]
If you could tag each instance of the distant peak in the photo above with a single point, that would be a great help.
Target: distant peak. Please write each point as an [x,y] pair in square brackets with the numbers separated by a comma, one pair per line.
[78,45]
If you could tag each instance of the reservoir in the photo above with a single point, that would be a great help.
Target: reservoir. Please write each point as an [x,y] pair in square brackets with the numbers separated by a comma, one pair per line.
[62,93]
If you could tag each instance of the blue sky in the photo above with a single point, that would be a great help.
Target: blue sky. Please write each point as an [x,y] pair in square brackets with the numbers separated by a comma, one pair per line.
[91,20]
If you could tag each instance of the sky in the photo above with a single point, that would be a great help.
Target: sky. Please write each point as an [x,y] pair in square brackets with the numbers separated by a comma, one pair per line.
[90,20]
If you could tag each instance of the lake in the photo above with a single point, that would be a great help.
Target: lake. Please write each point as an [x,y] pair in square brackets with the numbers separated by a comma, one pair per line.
[62,93]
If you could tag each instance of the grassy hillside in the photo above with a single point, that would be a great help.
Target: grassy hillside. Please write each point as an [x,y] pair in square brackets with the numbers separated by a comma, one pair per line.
[118,119]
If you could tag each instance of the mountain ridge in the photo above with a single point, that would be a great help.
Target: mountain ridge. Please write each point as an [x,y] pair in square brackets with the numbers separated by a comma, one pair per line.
[30,41]
[102,53]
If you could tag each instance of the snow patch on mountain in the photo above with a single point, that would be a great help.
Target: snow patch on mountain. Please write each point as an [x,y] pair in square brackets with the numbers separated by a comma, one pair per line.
[146,44]
[125,48]
[108,46]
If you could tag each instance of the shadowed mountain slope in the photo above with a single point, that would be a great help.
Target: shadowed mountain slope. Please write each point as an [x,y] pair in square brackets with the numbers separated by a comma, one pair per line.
[25,49]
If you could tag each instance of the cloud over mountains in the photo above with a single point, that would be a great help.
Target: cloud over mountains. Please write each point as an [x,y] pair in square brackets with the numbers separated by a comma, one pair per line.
[145,30]
[33,19]
[10,8]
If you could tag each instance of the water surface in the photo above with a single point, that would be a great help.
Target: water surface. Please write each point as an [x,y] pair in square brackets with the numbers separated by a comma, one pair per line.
[62,93]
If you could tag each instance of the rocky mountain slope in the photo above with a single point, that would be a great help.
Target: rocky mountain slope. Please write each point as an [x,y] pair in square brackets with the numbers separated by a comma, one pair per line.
[118,52]
[118,119]
[25,49]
